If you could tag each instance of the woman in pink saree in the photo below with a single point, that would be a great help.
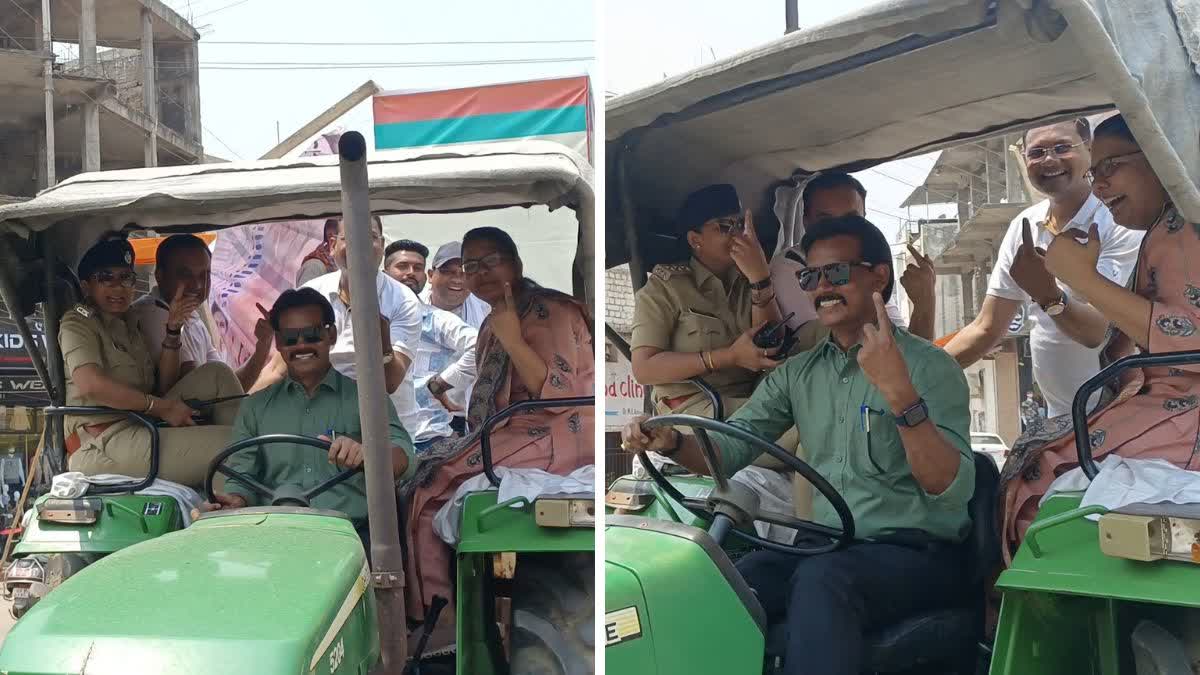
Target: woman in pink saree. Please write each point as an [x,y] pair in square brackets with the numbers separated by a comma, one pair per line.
[535,344]
[1151,413]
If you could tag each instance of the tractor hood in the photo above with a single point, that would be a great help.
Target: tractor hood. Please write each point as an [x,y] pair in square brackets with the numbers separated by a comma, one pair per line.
[258,592]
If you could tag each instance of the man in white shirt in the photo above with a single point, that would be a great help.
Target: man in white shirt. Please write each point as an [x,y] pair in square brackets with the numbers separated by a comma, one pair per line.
[445,366]
[400,324]
[1067,332]
[184,263]
[830,195]
[448,287]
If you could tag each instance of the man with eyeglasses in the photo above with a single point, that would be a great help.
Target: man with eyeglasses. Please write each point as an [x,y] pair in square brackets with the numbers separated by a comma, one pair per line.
[1067,332]
[183,266]
[400,323]
[447,289]
[884,418]
[313,400]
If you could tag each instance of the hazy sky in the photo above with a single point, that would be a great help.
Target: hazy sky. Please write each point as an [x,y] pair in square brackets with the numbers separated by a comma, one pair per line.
[646,41]
[240,108]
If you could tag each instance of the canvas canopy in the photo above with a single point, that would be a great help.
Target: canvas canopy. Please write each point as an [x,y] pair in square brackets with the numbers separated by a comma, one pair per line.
[214,196]
[902,78]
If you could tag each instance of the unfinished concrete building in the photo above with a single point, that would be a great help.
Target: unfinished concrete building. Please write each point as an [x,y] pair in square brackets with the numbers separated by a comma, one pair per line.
[74,77]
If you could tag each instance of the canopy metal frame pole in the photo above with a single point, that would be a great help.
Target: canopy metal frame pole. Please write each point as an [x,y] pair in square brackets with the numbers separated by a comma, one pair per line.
[386,557]
[55,455]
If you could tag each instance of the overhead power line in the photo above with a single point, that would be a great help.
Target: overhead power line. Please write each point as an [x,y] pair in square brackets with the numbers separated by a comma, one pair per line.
[284,65]
[432,43]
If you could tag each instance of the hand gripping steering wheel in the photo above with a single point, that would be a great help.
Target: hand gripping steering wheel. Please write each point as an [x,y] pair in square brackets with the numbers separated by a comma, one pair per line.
[282,495]
[731,504]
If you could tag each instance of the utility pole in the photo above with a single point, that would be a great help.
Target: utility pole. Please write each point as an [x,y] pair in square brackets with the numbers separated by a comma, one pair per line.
[792,15]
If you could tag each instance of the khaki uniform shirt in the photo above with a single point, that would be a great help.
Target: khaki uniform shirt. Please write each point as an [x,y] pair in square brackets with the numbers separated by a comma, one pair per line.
[687,308]
[112,343]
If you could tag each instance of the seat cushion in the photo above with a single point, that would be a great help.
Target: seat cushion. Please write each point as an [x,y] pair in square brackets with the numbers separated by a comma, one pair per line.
[933,637]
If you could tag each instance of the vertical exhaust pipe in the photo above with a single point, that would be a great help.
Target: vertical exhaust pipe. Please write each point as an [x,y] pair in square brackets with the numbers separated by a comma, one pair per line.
[791,16]
[387,575]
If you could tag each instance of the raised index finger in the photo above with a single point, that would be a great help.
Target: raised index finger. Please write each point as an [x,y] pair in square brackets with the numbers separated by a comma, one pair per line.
[885,322]
[749,226]
[922,259]
[508,296]
[1026,234]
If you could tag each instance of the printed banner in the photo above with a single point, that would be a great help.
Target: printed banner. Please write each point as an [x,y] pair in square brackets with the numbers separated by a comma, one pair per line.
[557,109]
[253,264]
[624,398]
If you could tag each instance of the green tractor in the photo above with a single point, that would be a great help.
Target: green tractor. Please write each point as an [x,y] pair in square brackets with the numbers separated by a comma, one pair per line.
[891,82]
[112,582]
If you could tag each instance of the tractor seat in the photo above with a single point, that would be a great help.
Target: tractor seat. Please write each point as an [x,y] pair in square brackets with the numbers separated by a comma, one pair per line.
[942,637]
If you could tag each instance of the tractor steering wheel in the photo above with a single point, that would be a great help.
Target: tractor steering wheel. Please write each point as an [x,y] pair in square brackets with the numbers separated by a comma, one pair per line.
[282,495]
[833,538]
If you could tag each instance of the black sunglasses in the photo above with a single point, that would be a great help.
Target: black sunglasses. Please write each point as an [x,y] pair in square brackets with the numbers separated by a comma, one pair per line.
[310,335]
[837,273]
[731,224]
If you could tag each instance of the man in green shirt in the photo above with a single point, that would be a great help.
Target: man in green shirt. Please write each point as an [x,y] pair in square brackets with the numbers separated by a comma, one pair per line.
[884,416]
[313,400]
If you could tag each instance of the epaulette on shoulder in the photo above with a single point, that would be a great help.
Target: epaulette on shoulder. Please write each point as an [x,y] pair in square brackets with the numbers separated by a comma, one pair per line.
[665,272]
[83,310]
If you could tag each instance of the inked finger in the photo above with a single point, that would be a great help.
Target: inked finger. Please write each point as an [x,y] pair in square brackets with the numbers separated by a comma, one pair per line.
[1026,234]
[885,323]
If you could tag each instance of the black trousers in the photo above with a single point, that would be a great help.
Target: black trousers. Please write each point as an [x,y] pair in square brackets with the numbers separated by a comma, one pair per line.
[831,601]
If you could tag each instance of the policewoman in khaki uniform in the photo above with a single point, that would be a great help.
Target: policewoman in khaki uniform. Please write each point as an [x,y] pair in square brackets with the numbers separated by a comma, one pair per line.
[698,318]
[107,363]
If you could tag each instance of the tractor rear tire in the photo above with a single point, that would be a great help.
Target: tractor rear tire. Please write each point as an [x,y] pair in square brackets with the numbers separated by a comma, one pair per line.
[554,601]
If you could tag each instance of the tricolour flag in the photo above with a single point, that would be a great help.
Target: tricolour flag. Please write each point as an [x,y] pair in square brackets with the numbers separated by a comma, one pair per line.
[555,110]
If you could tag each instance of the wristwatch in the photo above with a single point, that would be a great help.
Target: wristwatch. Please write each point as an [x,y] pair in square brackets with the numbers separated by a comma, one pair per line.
[760,285]
[913,415]
[437,386]
[1056,306]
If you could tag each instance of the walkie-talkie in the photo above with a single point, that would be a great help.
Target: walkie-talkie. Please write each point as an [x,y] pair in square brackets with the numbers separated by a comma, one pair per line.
[771,337]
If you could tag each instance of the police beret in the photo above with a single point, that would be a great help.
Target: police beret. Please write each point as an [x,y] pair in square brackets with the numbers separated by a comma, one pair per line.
[714,201]
[108,253]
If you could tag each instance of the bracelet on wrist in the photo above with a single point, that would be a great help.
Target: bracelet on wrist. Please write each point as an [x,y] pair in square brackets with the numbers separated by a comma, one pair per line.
[761,285]
[174,331]
[149,405]
[764,302]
